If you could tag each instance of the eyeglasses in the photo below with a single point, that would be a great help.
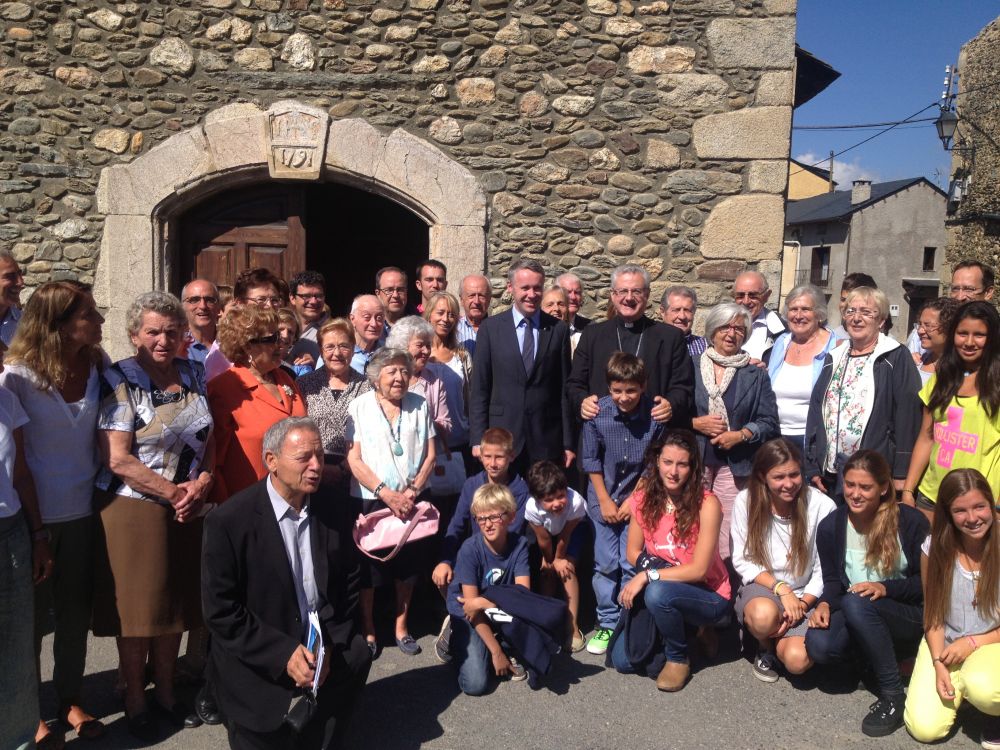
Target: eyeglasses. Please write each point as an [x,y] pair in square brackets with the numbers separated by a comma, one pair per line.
[317,297]
[490,519]
[272,339]
[630,292]
[733,329]
[850,312]
[927,328]
[965,290]
[199,300]
[338,347]
[390,291]
[748,295]
[261,301]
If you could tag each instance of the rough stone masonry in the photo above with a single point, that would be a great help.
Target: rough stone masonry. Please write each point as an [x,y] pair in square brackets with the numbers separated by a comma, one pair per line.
[653,130]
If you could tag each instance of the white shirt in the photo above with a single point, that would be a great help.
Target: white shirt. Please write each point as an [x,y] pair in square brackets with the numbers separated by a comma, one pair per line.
[12,416]
[792,390]
[554,523]
[779,544]
[764,329]
[60,443]
[294,528]
[216,362]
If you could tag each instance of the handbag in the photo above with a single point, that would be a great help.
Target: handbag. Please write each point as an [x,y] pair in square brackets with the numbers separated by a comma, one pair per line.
[448,475]
[381,529]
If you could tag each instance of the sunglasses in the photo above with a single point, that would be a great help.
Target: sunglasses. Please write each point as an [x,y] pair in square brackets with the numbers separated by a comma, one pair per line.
[272,339]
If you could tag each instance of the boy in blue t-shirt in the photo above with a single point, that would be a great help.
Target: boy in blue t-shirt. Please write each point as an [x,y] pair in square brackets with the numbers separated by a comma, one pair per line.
[614,449]
[494,556]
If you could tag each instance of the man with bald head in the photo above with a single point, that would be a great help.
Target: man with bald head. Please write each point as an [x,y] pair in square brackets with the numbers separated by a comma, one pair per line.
[201,306]
[475,295]
[368,318]
[571,284]
[750,289]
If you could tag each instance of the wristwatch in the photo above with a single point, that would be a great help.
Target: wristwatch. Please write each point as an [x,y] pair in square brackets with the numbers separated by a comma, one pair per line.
[652,574]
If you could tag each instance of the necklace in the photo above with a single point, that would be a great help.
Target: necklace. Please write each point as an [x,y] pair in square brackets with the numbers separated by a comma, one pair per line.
[397,446]
[975,578]
[637,346]
[669,509]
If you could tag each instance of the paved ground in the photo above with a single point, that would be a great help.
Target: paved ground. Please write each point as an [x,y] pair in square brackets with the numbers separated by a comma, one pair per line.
[412,702]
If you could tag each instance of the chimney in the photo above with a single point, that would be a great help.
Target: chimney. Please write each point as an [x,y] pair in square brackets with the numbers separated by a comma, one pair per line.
[861,191]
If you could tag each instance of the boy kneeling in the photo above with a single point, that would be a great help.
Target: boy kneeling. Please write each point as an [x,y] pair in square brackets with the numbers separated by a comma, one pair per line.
[492,557]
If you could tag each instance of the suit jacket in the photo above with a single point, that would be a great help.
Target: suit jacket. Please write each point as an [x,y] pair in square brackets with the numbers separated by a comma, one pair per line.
[580,322]
[249,603]
[530,405]
[750,403]
[664,352]
[243,411]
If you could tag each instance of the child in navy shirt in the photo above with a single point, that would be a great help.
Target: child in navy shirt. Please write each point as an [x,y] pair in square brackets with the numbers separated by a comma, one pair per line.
[614,447]
[494,556]
[554,512]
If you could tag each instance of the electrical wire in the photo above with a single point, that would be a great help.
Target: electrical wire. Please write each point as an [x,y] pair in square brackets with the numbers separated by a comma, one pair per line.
[865,126]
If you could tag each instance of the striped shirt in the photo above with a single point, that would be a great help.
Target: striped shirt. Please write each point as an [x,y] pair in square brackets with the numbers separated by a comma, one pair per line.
[696,345]
[466,335]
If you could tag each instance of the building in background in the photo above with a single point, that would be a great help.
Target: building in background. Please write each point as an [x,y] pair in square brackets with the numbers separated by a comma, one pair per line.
[893,231]
[973,219]
[806,181]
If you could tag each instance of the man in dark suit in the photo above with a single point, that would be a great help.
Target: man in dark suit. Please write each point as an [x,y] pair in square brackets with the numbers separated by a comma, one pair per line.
[659,346]
[571,284]
[270,556]
[520,366]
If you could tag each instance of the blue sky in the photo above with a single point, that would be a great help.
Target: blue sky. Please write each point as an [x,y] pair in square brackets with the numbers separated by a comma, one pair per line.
[891,55]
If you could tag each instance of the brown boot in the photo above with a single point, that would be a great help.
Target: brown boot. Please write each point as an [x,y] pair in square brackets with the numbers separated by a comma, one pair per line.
[672,677]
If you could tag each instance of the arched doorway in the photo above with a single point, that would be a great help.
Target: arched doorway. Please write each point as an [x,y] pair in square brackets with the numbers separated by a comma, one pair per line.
[239,145]
[345,233]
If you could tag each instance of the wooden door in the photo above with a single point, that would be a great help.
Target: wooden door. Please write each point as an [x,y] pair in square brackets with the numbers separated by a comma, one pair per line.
[253,227]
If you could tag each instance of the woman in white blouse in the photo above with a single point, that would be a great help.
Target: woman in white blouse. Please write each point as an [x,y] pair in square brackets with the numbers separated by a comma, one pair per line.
[53,369]
[796,359]
[774,552]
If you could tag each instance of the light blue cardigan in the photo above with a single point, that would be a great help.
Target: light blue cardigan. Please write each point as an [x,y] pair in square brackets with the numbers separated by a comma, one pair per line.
[776,355]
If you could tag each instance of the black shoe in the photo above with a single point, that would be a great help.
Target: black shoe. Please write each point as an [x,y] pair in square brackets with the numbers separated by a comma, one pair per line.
[884,717]
[206,708]
[176,715]
[142,727]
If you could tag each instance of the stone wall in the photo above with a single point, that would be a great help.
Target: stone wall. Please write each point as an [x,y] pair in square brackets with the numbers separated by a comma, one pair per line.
[599,131]
[974,229]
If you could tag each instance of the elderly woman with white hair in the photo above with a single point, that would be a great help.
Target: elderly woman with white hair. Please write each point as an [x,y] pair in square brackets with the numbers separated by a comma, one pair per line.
[735,406]
[415,335]
[796,359]
[865,397]
[391,454]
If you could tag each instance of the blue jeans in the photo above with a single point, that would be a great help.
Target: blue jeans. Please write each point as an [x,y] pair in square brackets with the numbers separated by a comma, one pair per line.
[18,678]
[611,567]
[471,658]
[674,605]
[876,627]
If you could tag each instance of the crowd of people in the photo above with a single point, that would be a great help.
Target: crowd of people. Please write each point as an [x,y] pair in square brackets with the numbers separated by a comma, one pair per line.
[831,491]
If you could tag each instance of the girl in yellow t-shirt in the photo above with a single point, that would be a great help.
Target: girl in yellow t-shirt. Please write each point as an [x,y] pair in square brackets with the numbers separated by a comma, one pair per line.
[961,423]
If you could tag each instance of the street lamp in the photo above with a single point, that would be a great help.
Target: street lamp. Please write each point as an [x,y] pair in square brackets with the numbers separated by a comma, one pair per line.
[946,125]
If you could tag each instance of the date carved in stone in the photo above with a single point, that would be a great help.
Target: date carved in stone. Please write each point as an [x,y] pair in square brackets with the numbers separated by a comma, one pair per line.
[296,141]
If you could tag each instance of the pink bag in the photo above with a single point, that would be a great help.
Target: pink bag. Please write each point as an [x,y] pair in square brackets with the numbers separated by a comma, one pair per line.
[380,529]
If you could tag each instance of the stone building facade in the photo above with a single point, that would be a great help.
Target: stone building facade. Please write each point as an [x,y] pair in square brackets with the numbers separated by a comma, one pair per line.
[581,132]
[974,220]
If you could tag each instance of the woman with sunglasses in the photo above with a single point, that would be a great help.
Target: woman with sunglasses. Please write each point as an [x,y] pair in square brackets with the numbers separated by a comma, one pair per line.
[865,397]
[249,397]
[961,413]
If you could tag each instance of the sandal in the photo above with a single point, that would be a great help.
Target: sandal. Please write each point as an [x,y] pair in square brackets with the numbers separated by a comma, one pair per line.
[51,741]
[89,729]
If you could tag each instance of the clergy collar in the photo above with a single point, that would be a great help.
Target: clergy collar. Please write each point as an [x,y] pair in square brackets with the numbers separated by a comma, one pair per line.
[639,324]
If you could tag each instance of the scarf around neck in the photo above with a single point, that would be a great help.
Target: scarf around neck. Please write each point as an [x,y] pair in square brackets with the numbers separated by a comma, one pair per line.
[731,364]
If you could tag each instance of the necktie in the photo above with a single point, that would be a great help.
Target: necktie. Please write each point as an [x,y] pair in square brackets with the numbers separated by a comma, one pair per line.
[528,347]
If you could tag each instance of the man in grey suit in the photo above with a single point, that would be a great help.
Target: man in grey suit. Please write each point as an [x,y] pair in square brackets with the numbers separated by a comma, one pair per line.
[521,363]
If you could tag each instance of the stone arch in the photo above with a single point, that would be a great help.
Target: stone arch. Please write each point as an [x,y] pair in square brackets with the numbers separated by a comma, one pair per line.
[240,144]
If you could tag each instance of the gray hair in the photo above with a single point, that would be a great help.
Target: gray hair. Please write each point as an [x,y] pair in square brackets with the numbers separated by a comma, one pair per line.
[679,291]
[568,275]
[764,286]
[406,329]
[875,295]
[524,264]
[386,356]
[630,268]
[161,303]
[195,281]
[817,297]
[357,301]
[721,314]
[274,438]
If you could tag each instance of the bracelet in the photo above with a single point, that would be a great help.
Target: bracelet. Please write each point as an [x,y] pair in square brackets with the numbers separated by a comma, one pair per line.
[776,586]
[381,486]
[936,659]
[747,436]
[903,492]
[973,642]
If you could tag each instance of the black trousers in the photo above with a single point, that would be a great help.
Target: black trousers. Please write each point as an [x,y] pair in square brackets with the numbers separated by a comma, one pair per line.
[329,725]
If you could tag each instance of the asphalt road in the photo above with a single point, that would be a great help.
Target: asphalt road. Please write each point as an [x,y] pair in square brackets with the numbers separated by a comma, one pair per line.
[413,702]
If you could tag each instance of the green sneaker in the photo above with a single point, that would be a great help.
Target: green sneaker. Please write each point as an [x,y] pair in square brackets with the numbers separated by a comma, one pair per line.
[598,644]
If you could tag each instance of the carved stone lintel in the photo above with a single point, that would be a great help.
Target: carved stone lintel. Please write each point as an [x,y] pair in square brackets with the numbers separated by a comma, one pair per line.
[296,137]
